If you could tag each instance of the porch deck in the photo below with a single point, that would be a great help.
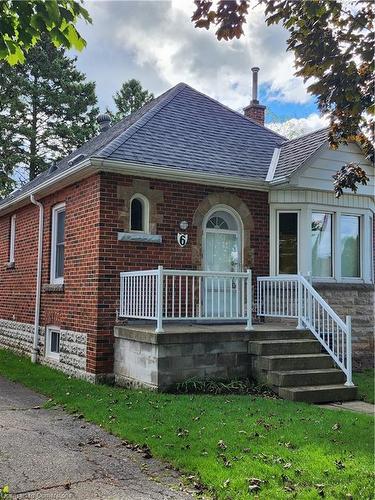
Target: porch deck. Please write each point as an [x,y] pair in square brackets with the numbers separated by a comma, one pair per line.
[218,328]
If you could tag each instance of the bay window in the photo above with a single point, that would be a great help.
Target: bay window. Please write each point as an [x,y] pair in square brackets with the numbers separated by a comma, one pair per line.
[327,242]
[350,246]
[288,242]
[321,242]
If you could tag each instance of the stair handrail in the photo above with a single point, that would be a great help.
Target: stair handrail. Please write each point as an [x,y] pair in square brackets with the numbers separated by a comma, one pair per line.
[338,341]
[293,296]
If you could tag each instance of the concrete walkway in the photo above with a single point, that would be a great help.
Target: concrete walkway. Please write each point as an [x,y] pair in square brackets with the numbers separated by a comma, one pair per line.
[356,406]
[48,454]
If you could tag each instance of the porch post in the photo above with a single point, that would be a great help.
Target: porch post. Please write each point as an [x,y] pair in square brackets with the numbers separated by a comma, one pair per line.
[159,301]
[349,381]
[249,303]
[299,304]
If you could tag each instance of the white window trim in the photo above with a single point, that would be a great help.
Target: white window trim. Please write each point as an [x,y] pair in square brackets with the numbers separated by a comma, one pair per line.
[12,239]
[146,213]
[55,210]
[52,355]
[304,247]
[277,237]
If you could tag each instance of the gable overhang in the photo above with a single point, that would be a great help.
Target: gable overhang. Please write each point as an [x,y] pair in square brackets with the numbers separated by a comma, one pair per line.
[49,186]
[178,175]
[94,165]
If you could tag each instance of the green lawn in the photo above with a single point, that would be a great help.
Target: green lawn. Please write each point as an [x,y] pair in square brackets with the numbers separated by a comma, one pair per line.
[227,442]
[365,382]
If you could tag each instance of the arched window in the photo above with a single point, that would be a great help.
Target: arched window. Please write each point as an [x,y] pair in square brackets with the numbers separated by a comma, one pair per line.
[139,213]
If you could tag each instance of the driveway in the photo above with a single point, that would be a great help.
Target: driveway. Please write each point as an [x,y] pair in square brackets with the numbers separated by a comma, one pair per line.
[48,454]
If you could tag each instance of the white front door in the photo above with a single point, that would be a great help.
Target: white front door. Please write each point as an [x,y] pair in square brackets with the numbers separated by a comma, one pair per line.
[222,253]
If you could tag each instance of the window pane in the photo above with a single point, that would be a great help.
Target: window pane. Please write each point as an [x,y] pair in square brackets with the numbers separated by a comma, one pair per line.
[321,236]
[350,267]
[55,341]
[136,218]
[60,226]
[59,263]
[222,253]
[288,228]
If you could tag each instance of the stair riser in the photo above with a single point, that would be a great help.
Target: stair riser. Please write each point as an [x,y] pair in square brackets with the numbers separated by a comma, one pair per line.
[295,364]
[280,335]
[312,347]
[320,396]
[290,380]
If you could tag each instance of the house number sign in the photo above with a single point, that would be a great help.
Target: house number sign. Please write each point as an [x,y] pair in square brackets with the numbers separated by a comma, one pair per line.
[182,239]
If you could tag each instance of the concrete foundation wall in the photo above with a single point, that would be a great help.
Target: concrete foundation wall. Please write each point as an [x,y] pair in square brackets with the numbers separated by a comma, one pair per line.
[19,338]
[358,301]
[159,361]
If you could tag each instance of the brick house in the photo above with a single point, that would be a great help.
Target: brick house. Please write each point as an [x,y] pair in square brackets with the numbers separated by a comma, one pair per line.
[188,184]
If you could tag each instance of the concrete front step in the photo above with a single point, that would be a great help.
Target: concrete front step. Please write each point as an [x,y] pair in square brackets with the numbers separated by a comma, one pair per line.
[297,378]
[290,346]
[295,362]
[319,393]
[293,333]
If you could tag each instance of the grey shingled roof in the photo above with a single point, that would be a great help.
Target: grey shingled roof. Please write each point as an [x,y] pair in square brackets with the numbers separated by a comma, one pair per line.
[181,129]
[295,152]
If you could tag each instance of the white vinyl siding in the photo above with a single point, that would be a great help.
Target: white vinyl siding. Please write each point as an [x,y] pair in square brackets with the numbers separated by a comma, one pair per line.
[58,244]
[317,174]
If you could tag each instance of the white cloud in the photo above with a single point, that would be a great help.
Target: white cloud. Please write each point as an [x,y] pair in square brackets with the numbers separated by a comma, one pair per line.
[299,126]
[156,42]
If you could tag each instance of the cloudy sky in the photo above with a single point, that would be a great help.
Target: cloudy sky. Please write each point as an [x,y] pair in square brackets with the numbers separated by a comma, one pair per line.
[155,42]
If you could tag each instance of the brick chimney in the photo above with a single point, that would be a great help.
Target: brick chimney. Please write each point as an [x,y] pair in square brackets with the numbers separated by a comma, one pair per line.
[255,110]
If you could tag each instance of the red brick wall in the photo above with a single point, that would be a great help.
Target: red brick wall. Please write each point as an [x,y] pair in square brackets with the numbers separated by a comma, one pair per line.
[180,202]
[94,257]
[75,308]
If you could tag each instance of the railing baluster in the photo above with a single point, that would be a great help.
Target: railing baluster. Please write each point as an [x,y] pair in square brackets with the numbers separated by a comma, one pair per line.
[179,297]
[200,296]
[218,297]
[225,296]
[205,296]
[193,297]
[173,294]
[243,312]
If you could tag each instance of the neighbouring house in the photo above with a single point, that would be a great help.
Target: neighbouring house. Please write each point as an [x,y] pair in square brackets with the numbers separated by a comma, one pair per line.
[154,223]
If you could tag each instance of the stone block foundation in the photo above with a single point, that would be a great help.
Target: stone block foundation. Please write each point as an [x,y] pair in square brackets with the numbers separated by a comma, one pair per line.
[18,337]
[358,301]
[157,361]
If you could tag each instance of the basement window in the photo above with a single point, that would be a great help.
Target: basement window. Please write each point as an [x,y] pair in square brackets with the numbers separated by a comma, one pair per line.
[58,244]
[53,342]
[139,214]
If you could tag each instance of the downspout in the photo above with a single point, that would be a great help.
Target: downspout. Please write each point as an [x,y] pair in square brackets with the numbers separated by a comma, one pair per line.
[38,279]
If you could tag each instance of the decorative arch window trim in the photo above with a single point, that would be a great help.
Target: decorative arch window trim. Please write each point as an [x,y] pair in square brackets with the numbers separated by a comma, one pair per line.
[139,223]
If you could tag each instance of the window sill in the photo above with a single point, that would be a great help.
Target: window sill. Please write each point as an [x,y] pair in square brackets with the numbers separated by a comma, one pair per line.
[53,288]
[53,357]
[10,265]
[343,285]
[140,237]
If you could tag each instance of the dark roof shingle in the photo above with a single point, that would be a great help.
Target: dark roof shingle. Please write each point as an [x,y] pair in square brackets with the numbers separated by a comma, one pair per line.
[295,152]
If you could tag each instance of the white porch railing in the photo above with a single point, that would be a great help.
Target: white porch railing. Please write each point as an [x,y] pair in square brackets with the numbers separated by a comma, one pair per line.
[294,297]
[174,294]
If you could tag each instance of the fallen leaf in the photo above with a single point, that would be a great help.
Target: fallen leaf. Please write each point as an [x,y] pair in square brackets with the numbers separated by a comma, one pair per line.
[222,445]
